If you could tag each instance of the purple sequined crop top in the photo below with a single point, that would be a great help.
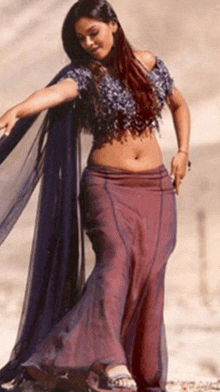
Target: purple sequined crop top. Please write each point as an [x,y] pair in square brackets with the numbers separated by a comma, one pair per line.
[118,100]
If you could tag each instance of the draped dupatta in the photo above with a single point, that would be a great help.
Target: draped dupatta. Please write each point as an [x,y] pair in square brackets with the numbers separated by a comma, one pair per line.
[46,149]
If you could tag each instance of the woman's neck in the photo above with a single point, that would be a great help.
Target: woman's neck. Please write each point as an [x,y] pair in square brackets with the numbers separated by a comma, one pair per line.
[110,64]
[110,60]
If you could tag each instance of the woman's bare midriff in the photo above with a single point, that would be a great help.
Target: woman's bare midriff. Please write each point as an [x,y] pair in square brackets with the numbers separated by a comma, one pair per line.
[133,153]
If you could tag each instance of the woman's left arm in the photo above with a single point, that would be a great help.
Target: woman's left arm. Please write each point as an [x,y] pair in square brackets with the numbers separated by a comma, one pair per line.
[181,119]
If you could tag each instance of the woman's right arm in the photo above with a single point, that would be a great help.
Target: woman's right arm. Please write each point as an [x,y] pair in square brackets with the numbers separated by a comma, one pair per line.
[45,98]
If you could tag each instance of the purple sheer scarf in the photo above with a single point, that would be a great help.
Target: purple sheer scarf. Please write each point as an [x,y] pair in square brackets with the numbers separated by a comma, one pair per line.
[47,148]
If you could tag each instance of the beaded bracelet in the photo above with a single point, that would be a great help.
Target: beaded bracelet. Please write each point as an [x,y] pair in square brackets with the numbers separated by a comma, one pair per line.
[189,164]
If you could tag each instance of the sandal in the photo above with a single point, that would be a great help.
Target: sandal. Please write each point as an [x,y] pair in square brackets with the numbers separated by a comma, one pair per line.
[99,380]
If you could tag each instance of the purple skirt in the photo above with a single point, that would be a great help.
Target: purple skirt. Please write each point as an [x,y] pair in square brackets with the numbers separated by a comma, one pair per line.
[130,218]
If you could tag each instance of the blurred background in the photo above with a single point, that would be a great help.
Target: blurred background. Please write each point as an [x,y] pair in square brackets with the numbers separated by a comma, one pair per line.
[186,35]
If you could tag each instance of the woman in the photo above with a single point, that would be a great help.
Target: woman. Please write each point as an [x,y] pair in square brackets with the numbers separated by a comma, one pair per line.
[113,336]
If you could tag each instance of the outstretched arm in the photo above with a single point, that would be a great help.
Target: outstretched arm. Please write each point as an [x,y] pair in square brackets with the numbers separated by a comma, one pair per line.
[45,98]
[181,119]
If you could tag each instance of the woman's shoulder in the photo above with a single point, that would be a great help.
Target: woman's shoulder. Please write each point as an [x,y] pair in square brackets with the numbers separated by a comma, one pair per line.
[158,72]
[147,58]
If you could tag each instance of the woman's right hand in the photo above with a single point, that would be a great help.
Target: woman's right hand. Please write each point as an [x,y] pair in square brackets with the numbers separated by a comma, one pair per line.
[7,121]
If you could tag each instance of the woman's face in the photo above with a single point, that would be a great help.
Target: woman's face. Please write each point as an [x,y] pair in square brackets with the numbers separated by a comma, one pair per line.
[96,37]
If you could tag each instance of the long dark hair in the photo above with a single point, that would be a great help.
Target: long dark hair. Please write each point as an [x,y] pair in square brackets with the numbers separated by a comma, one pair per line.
[127,68]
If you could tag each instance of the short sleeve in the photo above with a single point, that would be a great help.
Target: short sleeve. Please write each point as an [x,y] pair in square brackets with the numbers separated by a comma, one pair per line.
[161,79]
[82,77]
[168,81]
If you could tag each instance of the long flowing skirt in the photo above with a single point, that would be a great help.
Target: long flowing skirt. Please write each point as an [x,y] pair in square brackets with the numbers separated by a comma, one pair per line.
[130,219]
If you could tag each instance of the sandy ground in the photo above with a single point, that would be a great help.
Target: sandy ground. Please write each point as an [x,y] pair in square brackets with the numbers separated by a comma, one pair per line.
[193,386]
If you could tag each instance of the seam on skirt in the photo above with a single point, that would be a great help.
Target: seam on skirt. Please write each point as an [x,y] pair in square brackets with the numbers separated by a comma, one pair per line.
[114,214]
[160,371]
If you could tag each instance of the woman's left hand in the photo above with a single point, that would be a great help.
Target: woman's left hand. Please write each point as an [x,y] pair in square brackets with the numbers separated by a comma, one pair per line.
[181,120]
[179,165]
